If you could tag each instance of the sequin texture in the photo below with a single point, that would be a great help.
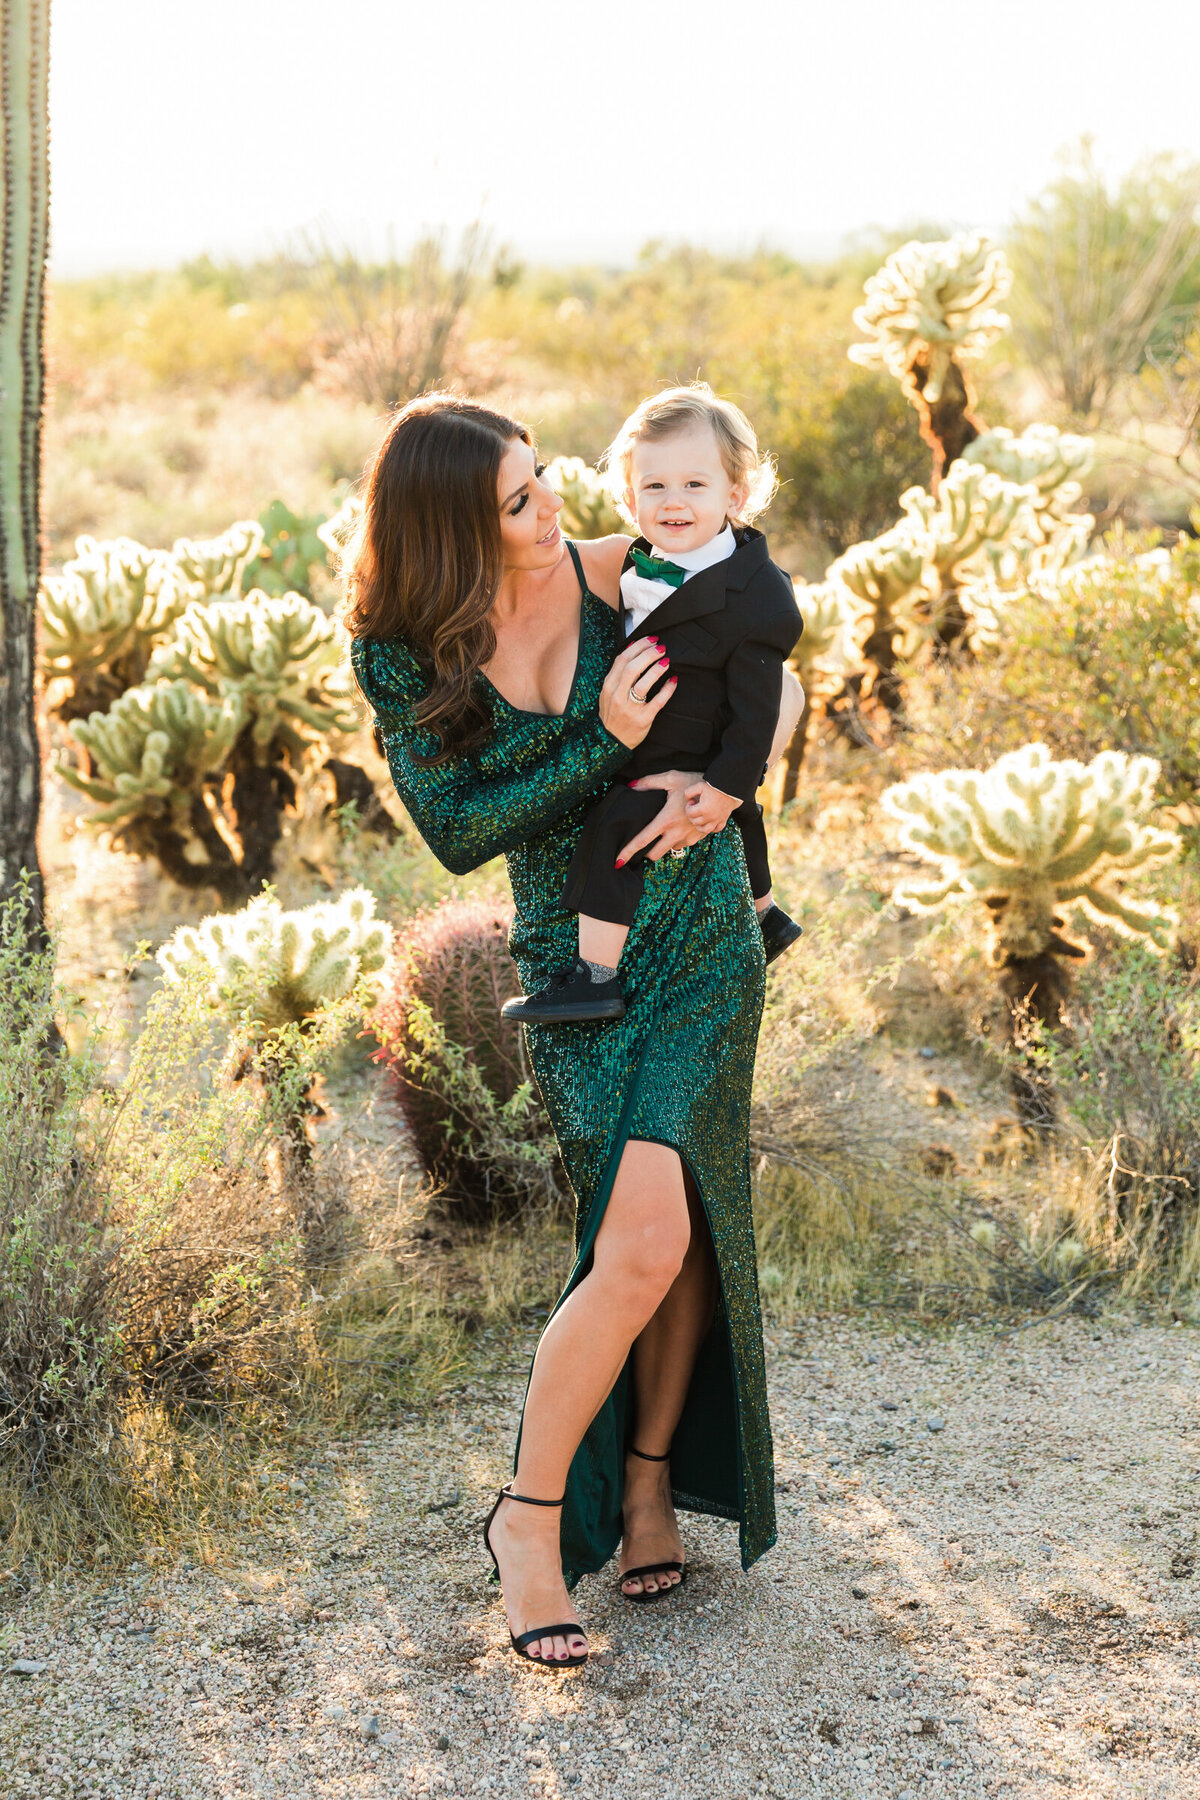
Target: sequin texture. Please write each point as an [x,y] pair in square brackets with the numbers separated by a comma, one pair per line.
[676,1069]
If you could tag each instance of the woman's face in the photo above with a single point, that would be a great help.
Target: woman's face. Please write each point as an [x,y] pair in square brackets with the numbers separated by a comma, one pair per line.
[529,509]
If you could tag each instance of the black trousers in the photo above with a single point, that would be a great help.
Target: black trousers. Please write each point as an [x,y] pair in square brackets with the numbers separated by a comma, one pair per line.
[595,886]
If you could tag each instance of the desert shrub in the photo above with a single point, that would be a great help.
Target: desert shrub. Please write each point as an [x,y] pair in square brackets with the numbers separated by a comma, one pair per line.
[459,1069]
[147,1249]
[1130,1077]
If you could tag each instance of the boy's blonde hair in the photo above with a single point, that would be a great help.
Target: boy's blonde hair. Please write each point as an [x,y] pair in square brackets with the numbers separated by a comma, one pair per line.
[677,409]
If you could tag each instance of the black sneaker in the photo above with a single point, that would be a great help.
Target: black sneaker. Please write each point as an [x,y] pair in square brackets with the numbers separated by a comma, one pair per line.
[779,932]
[569,995]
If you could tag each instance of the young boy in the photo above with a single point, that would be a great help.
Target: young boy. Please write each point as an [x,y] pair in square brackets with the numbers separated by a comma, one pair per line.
[699,581]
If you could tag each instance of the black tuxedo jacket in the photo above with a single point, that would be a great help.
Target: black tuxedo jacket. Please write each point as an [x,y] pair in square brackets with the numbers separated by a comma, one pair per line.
[728,631]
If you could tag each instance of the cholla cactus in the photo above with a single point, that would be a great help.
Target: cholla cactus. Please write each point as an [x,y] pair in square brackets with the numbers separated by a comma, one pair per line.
[1050,464]
[936,302]
[153,754]
[895,576]
[282,657]
[282,968]
[836,623]
[588,509]
[101,619]
[291,982]
[1031,837]
[930,309]
[976,519]
[210,566]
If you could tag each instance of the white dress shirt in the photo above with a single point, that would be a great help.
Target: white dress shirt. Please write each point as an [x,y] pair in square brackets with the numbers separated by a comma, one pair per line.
[640,596]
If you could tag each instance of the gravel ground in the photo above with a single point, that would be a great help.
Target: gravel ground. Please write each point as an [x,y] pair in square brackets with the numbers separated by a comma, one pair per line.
[984,1585]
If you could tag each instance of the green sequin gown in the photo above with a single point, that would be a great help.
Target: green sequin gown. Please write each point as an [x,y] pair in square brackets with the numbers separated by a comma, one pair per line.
[676,1069]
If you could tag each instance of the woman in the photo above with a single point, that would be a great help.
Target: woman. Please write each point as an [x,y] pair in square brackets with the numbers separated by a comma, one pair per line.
[485,646]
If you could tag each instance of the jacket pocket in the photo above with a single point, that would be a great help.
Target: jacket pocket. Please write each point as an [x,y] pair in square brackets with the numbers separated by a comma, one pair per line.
[697,637]
[681,733]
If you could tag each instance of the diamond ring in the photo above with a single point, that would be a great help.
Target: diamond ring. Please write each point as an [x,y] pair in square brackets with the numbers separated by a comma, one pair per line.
[638,699]
[679,850]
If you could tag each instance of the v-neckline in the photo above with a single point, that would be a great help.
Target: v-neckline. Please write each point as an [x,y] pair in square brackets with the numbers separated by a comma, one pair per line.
[525,712]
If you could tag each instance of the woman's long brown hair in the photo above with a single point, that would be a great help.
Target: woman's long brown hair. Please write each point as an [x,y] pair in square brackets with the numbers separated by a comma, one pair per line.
[427,563]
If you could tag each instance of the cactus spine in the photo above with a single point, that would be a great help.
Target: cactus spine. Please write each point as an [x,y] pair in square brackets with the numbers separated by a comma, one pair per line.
[24,51]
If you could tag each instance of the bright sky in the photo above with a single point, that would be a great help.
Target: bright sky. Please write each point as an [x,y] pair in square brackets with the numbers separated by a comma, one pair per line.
[581,131]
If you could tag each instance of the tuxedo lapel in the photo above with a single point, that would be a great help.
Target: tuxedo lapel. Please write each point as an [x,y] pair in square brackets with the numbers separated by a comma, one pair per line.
[706,591]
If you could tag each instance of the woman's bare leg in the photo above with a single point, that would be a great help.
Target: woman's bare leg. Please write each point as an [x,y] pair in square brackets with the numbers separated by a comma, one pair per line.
[640,1248]
[663,1359]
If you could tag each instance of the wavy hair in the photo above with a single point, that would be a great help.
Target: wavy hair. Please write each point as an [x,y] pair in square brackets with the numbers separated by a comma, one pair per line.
[676,409]
[426,561]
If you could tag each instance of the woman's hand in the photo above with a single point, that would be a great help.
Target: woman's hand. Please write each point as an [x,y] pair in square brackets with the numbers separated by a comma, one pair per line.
[623,710]
[671,827]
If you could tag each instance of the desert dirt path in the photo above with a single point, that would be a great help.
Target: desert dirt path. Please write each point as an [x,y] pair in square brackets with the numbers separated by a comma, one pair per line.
[1005,1605]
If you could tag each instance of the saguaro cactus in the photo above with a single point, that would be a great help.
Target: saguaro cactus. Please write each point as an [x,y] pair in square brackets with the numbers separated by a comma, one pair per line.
[24,174]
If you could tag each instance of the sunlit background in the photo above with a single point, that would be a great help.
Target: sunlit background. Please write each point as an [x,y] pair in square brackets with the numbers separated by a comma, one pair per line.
[582,131]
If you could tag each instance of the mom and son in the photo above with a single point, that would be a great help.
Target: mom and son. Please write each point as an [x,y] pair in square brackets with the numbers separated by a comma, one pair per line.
[699,586]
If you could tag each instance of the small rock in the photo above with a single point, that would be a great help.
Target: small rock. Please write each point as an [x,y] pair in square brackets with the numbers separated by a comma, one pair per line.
[296,1486]
[896,1693]
[369,1727]
[889,1406]
[23,1666]
[935,1424]
[940,1096]
[333,1710]
[859,1593]
[927,1054]
[443,1742]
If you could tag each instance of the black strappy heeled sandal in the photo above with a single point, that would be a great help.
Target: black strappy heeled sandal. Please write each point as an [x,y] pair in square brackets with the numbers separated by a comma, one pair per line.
[654,1568]
[529,1637]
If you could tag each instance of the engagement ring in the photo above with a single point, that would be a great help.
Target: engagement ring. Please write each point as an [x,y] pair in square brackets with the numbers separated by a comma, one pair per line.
[679,850]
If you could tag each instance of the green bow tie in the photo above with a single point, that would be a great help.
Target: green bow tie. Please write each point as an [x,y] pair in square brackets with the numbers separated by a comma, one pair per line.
[657,568]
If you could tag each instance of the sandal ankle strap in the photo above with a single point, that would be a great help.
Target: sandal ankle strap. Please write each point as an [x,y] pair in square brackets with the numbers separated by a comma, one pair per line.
[528,1499]
[646,1457]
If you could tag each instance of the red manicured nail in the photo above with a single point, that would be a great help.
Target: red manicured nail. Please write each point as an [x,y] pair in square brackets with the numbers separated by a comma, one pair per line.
[662,662]
[620,862]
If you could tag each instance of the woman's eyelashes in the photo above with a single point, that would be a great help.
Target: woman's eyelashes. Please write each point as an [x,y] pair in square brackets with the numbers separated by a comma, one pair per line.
[519,507]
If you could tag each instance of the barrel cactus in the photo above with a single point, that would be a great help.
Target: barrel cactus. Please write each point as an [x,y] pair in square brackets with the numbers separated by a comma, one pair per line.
[153,756]
[928,311]
[1033,838]
[289,982]
[588,510]
[459,1068]
[101,619]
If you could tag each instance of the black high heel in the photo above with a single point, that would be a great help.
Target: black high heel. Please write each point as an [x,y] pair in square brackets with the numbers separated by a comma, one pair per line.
[528,1637]
[654,1568]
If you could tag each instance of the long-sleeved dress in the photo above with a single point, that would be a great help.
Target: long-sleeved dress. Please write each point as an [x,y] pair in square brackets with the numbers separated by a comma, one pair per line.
[676,1070]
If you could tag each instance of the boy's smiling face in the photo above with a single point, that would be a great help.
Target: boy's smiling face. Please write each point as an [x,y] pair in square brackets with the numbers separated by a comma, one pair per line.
[679,489]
